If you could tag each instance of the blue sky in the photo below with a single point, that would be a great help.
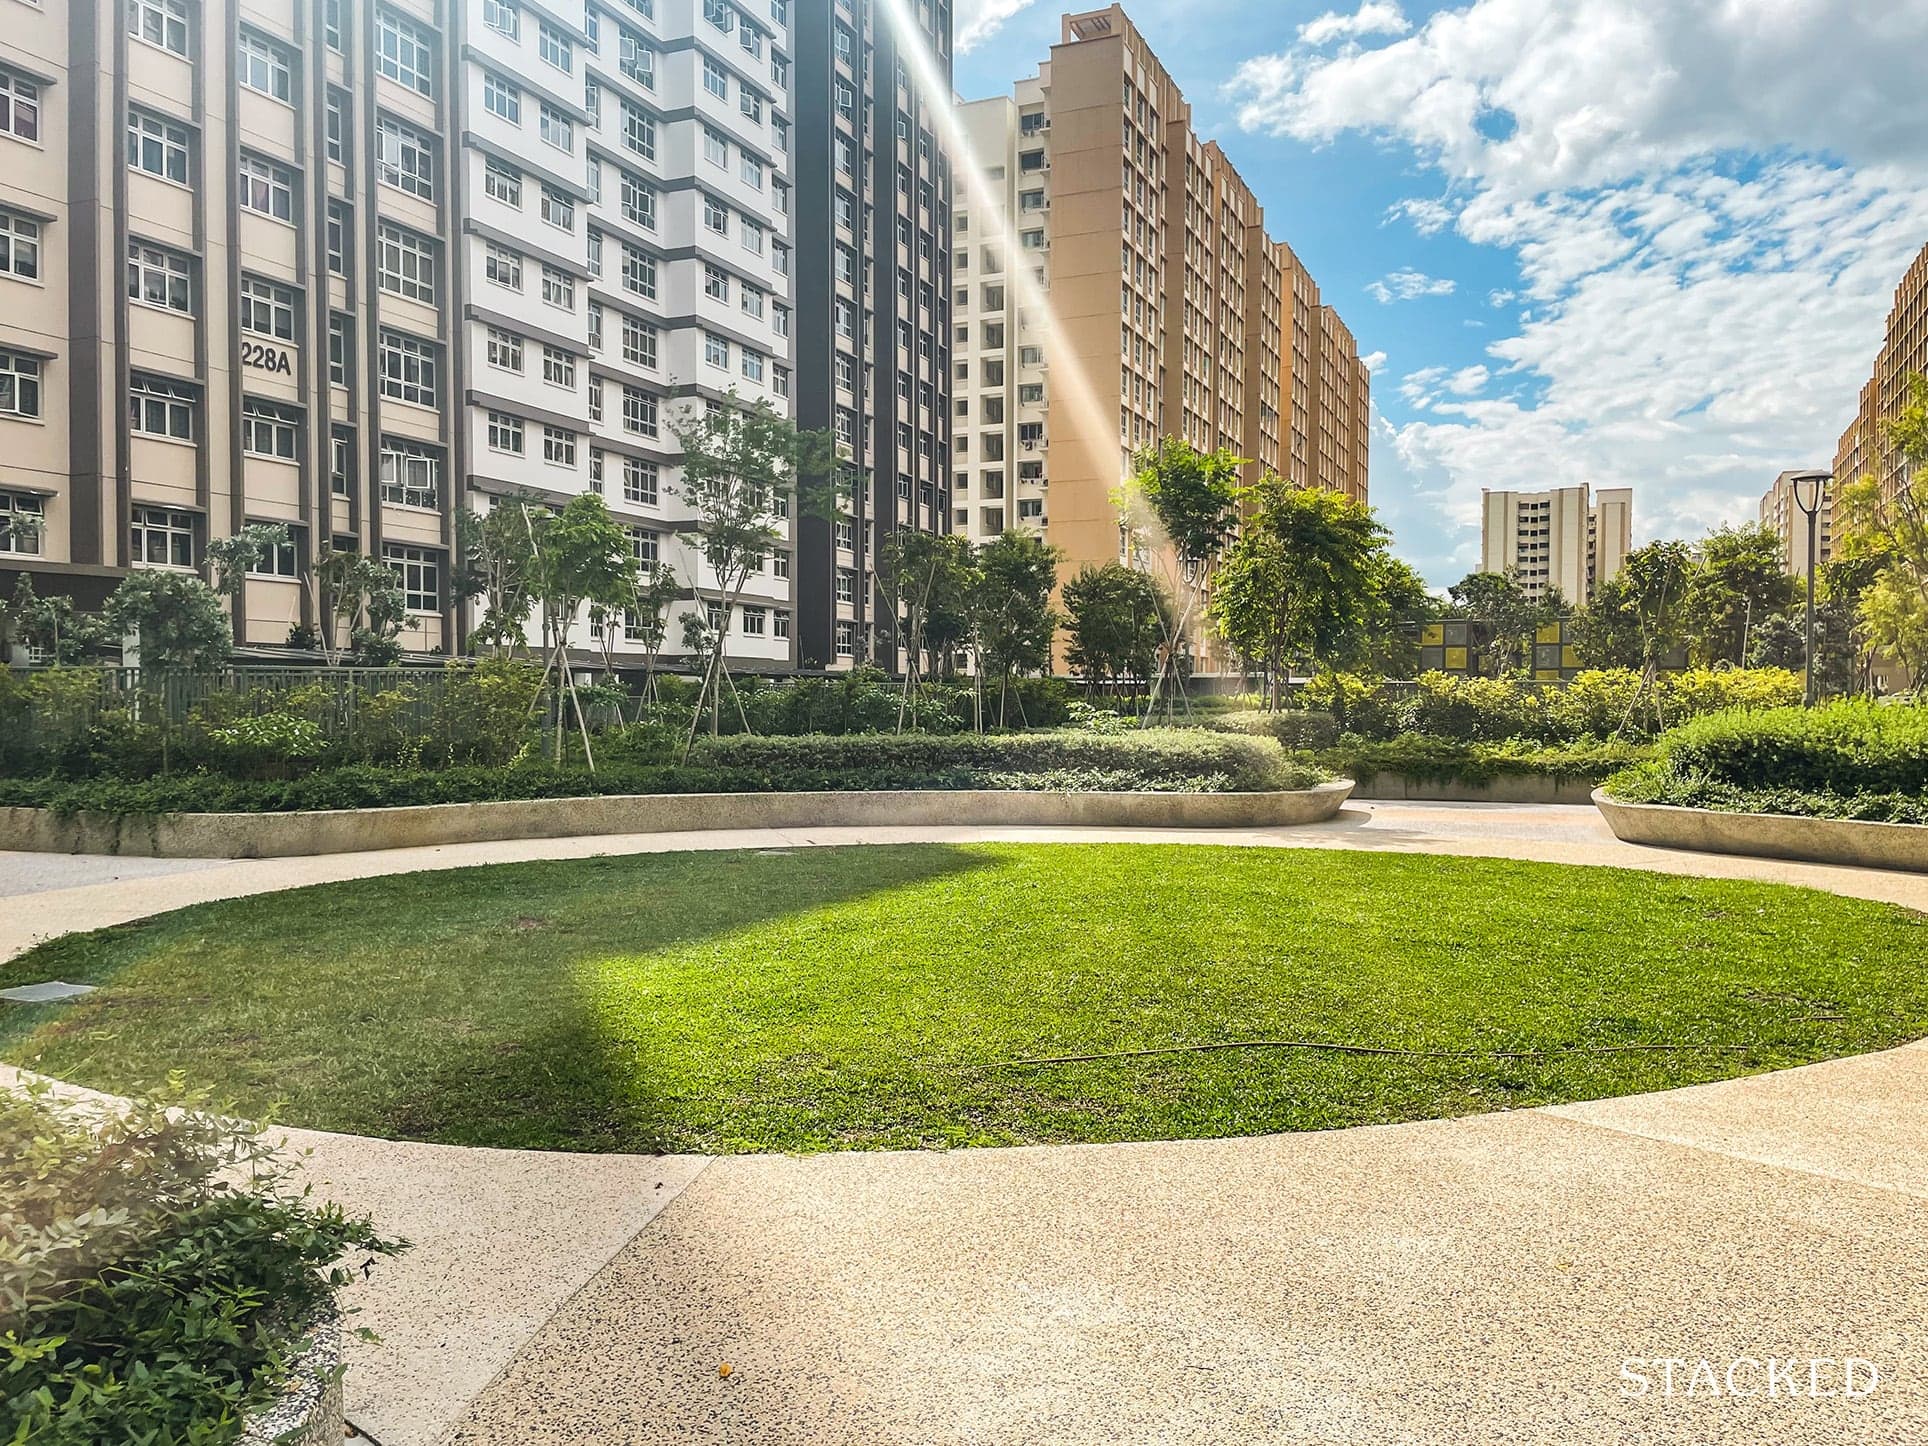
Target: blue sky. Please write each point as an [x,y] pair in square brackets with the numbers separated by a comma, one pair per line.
[1645,243]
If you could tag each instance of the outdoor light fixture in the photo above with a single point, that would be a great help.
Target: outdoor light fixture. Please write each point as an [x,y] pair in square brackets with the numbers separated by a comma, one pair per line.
[1810,489]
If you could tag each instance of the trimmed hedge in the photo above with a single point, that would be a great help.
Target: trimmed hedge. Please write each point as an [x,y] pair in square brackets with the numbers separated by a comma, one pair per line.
[1441,760]
[1650,783]
[1154,761]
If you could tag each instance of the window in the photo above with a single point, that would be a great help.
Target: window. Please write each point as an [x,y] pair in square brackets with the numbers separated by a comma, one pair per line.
[162,537]
[262,65]
[595,326]
[331,25]
[19,106]
[421,574]
[639,412]
[160,408]
[595,415]
[339,222]
[499,98]
[411,473]
[280,559]
[558,288]
[502,183]
[752,365]
[158,147]
[404,53]
[410,368]
[647,545]
[558,367]
[22,518]
[503,18]
[20,247]
[639,131]
[640,482]
[341,461]
[639,272]
[639,202]
[406,264]
[19,385]
[267,309]
[269,431]
[558,209]
[716,80]
[502,266]
[750,299]
[341,331]
[846,639]
[159,277]
[780,381]
[159,22]
[505,350]
[716,147]
[751,169]
[780,320]
[639,343]
[716,351]
[719,14]
[336,125]
[265,188]
[637,60]
[505,433]
[755,621]
[558,447]
[555,47]
[404,158]
[846,585]
[556,128]
[716,284]
[716,216]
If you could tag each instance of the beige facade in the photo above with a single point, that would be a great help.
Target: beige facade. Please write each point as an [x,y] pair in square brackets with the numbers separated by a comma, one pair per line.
[1903,354]
[1780,512]
[1171,312]
[1566,540]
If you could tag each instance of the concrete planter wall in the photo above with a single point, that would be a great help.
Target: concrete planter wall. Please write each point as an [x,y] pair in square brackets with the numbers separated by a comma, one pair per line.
[1769,835]
[1506,788]
[281,835]
[309,1412]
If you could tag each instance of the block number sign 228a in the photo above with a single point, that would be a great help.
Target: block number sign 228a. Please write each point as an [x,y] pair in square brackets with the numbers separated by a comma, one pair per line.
[267,358]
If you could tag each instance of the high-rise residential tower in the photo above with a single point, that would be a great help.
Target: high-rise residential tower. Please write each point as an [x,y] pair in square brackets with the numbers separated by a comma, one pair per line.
[1565,539]
[1903,354]
[872,224]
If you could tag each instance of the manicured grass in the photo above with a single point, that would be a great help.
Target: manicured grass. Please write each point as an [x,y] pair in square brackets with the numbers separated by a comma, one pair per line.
[866,997]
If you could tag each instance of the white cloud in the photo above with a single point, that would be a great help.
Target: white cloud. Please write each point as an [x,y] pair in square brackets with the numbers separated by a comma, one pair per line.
[1373,361]
[1408,285]
[976,21]
[1709,205]
[1428,217]
[1375,17]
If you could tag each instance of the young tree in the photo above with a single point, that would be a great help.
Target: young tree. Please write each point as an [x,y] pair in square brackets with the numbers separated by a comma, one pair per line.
[1403,603]
[1500,609]
[1011,614]
[362,597]
[656,592]
[578,555]
[1301,580]
[495,562]
[923,577]
[745,468]
[51,625]
[1184,504]
[1116,617]
[177,617]
[1738,582]
[1888,524]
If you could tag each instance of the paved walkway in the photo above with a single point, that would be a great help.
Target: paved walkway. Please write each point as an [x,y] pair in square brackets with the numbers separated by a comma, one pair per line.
[1464,1281]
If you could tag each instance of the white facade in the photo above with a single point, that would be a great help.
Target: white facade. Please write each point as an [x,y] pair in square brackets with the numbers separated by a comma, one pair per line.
[1565,539]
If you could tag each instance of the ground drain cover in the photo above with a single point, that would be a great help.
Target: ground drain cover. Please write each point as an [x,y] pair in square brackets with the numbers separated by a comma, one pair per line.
[774,853]
[51,992]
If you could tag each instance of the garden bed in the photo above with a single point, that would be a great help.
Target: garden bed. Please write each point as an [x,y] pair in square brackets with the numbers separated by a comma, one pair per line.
[1768,835]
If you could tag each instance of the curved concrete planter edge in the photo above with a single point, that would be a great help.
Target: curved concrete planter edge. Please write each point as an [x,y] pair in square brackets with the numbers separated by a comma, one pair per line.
[1902,846]
[309,1412]
[1514,788]
[282,835]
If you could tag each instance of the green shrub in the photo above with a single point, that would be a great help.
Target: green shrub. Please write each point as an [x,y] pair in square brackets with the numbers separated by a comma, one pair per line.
[1292,727]
[1653,783]
[1441,760]
[159,1270]
[1844,748]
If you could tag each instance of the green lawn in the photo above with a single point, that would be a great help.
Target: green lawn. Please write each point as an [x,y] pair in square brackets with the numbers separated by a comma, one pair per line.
[871,997]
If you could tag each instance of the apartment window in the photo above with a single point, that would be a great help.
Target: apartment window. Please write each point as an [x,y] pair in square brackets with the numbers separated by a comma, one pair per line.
[639,202]
[558,210]
[750,300]
[261,65]
[411,473]
[158,147]
[267,309]
[716,80]
[265,188]
[752,365]
[637,60]
[558,447]
[639,131]
[502,183]
[505,433]
[404,53]
[751,104]
[335,128]
[780,320]
[716,284]
[751,169]
[716,351]
[846,585]
[716,216]
[780,381]
[162,537]
[640,482]
[281,559]
[501,99]
[639,343]
[639,272]
[269,431]
[404,158]
[595,326]
[22,517]
[755,621]
[341,331]
[19,385]
[20,247]
[780,623]
[159,22]
[752,236]
[160,408]
[716,147]
[19,106]
[556,128]
[639,412]
[159,277]
[503,18]
[558,288]
[555,47]
[846,639]
[410,368]
[339,221]
[341,462]
[406,264]
[595,415]
[505,350]
[502,266]
[331,25]
[558,367]
[421,574]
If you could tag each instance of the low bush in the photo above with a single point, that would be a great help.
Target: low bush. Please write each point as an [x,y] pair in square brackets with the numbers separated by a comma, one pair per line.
[1292,727]
[1444,760]
[160,1272]
[1653,783]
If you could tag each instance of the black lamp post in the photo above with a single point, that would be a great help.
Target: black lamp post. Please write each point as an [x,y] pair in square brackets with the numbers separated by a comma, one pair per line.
[1810,489]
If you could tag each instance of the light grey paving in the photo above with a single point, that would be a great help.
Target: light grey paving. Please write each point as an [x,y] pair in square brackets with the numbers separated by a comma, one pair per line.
[25,873]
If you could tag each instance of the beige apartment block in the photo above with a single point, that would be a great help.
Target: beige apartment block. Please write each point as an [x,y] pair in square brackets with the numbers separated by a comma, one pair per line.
[1565,540]
[1783,514]
[1167,308]
[1903,354]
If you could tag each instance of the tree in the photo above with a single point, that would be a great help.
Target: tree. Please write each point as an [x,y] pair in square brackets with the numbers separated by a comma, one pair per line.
[177,617]
[1012,620]
[1403,603]
[924,577]
[579,555]
[1187,501]
[1301,581]
[1503,613]
[52,626]
[1885,520]
[362,597]
[1738,581]
[495,562]
[656,592]
[1116,616]
[745,468]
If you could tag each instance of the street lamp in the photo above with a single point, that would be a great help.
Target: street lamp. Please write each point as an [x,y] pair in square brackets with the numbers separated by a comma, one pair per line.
[1810,490]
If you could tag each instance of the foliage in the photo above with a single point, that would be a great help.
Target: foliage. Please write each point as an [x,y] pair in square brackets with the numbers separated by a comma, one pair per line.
[1013,621]
[495,561]
[360,598]
[51,626]
[1655,783]
[1292,727]
[1116,617]
[231,559]
[1504,615]
[1849,746]
[159,1269]
[178,617]
[1887,523]
[1420,756]
[927,580]
[1402,601]
[1738,581]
